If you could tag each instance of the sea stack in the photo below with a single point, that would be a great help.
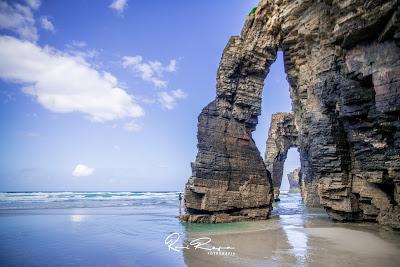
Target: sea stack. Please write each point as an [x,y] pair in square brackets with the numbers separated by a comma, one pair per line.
[293,178]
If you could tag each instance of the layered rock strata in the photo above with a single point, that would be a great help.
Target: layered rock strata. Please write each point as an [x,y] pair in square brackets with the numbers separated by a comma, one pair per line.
[282,136]
[342,60]
[229,180]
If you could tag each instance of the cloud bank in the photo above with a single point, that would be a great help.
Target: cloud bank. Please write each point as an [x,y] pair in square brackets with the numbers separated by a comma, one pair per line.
[64,83]
[19,18]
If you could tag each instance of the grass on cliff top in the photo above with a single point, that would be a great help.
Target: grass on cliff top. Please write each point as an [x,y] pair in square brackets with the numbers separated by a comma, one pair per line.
[253,11]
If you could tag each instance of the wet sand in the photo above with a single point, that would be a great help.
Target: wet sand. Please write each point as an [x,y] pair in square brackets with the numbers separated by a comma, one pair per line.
[300,239]
[55,234]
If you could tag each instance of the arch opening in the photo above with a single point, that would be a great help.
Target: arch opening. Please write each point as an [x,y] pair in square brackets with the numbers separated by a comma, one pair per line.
[282,136]
[275,98]
[291,172]
[278,121]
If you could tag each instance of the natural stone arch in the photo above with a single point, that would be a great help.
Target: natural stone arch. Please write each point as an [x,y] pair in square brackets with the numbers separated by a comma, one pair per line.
[229,180]
[282,136]
[343,71]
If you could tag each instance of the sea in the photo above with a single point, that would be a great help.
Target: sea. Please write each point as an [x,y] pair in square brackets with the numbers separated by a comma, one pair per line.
[88,228]
[135,229]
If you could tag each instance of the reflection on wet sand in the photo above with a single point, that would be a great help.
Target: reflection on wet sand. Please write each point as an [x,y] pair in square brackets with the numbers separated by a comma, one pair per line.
[297,239]
[295,236]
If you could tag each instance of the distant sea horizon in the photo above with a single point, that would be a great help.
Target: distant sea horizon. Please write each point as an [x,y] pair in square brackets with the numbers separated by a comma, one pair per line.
[86,199]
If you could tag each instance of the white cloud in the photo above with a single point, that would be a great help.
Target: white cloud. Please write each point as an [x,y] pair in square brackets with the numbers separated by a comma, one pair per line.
[63,83]
[34,4]
[76,48]
[18,18]
[119,5]
[168,100]
[47,24]
[132,127]
[91,53]
[82,170]
[151,71]
[179,94]
[171,66]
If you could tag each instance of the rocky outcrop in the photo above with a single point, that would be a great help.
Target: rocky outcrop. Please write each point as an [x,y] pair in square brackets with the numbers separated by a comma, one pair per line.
[282,136]
[342,60]
[229,180]
[294,180]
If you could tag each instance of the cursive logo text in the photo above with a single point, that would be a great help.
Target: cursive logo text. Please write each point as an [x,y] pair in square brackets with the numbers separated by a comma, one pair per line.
[202,243]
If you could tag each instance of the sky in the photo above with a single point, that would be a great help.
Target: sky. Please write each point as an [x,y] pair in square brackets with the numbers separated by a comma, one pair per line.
[104,95]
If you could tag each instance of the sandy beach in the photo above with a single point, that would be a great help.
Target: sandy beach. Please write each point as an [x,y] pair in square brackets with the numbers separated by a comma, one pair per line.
[308,239]
[132,229]
[317,244]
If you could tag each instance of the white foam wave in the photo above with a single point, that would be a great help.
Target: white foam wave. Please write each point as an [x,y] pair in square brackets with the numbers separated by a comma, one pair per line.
[87,196]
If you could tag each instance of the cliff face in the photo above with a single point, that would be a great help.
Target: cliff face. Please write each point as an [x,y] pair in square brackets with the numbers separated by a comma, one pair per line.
[294,179]
[342,60]
[229,180]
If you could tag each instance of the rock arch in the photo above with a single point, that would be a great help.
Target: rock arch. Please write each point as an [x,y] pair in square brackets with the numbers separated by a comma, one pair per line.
[342,60]
[282,136]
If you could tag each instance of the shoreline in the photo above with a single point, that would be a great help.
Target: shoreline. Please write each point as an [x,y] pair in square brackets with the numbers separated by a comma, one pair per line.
[126,235]
[289,240]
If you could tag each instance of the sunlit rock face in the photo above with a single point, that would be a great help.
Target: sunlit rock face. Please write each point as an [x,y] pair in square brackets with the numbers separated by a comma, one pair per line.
[229,179]
[342,60]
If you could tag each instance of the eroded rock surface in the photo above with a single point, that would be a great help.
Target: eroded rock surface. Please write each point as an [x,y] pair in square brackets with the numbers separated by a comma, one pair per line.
[282,136]
[294,180]
[229,181]
[342,60]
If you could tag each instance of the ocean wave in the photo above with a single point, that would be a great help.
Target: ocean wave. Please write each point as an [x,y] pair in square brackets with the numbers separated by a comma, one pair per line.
[18,199]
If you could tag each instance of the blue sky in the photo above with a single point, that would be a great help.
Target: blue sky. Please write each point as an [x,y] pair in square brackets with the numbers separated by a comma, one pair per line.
[104,95]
